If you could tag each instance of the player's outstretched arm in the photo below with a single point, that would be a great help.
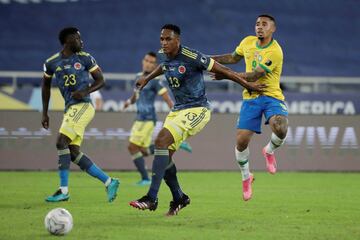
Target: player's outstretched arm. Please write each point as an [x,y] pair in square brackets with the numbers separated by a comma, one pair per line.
[45,94]
[142,81]
[229,58]
[132,99]
[235,77]
[253,76]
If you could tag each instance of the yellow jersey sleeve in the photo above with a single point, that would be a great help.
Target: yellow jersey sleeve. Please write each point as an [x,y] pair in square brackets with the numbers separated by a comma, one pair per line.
[239,50]
[271,60]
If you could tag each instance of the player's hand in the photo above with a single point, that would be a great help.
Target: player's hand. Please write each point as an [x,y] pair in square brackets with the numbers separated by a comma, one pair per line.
[255,86]
[78,95]
[126,104]
[217,76]
[45,121]
[140,83]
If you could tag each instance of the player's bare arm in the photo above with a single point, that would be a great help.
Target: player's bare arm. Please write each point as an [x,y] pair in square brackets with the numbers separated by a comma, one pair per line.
[167,99]
[99,82]
[142,81]
[248,76]
[229,58]
[231,75]
[45,90]
[132,99]
[253,76]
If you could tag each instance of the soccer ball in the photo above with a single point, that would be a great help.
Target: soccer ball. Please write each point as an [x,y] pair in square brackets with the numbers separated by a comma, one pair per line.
[59,221]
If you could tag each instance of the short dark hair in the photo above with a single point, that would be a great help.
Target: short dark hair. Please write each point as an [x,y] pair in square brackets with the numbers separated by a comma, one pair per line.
[66,32]
[153,54]
[172,27]
[268,16]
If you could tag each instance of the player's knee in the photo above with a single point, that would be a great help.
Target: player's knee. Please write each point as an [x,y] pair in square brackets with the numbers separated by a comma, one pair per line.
[242,143]
[280,126]
[131,148]
[161,142]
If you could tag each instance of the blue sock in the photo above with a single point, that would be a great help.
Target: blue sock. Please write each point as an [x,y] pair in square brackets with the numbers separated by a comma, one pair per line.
[172,182]
[140,165]
[161,160]
[87,165]
[64,165]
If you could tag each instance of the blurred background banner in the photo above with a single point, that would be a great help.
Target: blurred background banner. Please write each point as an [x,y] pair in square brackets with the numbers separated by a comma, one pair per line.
[314,143]
[113,101]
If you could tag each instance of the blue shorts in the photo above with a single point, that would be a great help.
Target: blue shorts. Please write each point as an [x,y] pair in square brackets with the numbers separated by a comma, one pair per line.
[252,110]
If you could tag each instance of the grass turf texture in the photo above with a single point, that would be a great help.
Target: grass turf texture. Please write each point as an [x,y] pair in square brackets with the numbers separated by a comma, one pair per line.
[284,206]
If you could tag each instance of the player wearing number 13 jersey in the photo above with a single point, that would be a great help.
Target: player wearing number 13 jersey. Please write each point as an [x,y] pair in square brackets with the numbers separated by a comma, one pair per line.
[70,69]
[183,69]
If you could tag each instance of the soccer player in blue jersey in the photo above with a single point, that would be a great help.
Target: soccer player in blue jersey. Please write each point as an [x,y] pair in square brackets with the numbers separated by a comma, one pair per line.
[70,69]
[183,68]
[141,132]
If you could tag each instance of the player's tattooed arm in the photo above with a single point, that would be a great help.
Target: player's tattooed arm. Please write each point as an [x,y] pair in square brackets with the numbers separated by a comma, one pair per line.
[253,76]
[142,81]
[45,94]
[229,58]
[225,72]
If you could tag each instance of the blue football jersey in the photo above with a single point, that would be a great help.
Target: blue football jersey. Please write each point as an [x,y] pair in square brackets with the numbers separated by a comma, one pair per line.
[184,74]
[146,99]
[71,74]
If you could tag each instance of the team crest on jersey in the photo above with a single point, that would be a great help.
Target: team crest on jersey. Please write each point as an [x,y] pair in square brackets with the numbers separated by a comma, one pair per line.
[182,69]
[77,66]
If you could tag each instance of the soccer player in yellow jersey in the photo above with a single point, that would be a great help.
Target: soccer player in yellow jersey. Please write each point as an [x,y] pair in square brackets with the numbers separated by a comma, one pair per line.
[264,59]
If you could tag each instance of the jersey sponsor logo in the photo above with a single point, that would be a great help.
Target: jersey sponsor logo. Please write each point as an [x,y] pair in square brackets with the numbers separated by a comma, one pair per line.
[67,66]
[259,58]
[58,69]
[182,69]
[77,66]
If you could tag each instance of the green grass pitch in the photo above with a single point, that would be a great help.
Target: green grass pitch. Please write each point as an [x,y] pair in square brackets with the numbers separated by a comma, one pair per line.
[304,206]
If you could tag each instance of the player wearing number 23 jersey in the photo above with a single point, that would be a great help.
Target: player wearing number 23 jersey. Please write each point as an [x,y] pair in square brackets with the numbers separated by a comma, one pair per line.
[70,70]
[71,74]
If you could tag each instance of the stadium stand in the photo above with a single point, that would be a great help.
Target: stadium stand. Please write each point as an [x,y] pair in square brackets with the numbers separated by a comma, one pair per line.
[118,33]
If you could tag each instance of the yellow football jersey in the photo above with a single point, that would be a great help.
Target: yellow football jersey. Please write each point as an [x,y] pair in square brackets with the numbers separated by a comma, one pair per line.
[270,58]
